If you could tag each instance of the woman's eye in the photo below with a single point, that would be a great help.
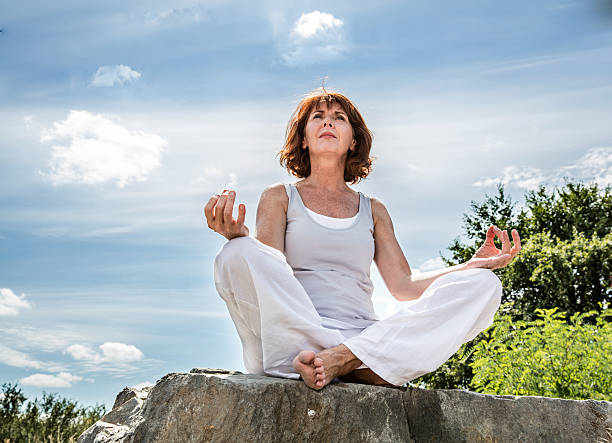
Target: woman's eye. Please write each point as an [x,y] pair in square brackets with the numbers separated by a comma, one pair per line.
[319,116]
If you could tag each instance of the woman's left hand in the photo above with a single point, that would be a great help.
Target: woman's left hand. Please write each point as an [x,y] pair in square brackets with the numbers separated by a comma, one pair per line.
[488,256]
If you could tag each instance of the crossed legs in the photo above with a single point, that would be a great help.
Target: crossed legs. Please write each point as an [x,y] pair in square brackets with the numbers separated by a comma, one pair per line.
[282,334]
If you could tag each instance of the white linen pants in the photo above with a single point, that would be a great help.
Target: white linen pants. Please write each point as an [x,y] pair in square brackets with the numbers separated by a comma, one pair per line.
[276,319]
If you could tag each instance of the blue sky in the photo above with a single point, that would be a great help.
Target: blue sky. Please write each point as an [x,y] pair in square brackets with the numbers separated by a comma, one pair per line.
[119,120]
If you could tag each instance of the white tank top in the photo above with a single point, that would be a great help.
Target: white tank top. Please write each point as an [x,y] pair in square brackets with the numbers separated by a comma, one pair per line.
[333,263]
[332,222]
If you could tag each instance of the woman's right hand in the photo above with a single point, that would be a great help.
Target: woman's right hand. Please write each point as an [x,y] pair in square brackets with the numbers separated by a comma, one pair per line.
[218,212]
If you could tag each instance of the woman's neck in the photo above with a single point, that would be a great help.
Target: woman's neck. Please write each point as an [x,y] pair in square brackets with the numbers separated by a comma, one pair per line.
[327,175]
[325,183]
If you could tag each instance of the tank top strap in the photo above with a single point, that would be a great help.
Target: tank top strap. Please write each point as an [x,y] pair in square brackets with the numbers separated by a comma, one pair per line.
[288,190]
[366,204]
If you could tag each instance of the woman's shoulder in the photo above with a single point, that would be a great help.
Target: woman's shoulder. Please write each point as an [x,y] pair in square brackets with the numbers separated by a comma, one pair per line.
[379,210]
[275,193]
[375,203]
[277,189]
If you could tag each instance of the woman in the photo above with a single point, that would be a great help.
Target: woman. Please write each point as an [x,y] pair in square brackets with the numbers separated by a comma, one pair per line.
[299,292]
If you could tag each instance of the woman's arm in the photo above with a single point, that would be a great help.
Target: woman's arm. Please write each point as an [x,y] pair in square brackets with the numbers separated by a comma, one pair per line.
[271,218]
[394,268]
[391,262]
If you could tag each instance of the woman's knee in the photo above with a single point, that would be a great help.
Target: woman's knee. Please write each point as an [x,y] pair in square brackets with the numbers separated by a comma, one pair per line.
[487,278]
[241,250]
[492,281]
[234,248]
[230,255]
[483,274]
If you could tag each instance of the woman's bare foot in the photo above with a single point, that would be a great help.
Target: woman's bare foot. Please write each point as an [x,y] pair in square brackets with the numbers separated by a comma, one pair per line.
[365,376]
[310,368]
[318,370]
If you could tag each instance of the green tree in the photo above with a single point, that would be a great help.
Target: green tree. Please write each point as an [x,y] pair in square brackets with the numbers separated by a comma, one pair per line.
[572,275]
[565,260]
[547,356]
[565,257]
[585,208]
[52,418]
[498,210]
[10,405]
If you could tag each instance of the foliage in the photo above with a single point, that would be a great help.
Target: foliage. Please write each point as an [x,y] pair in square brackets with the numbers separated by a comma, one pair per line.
[566,255]
[573,275]
[498,210]
[584,208]
[565,260]
[454,373]
[51,419]
[547,356]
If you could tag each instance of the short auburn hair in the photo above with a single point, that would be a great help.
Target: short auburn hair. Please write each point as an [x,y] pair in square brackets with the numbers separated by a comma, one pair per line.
[297,160]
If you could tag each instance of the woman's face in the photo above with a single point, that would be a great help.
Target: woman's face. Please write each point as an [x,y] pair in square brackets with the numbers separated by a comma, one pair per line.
[328,130]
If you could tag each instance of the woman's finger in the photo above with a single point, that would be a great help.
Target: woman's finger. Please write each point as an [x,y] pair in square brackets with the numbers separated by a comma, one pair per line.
[218,212]
[229,209]
[517,242]
[490,239]
[505,242]
[208,210]
[241,215]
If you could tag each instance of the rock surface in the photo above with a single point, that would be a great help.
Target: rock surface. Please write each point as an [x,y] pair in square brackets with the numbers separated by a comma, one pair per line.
[218,405]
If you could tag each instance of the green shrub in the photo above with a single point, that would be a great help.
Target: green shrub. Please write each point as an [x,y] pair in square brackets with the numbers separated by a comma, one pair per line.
[52,419]
[548,356]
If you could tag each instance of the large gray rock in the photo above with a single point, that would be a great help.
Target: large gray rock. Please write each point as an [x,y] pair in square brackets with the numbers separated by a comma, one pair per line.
[218,405]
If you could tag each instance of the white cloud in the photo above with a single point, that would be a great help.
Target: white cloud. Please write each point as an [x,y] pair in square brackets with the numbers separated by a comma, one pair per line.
[99,150]
[432,264]
[10,304]
[317,37]
[37,339]
[120,352]
[144,384]
[18,359]
[316,22]
[218,178]
[110,352]
[114,75]
[80,352]
[594,166]
[177,16]
[526,177]
[61,380]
